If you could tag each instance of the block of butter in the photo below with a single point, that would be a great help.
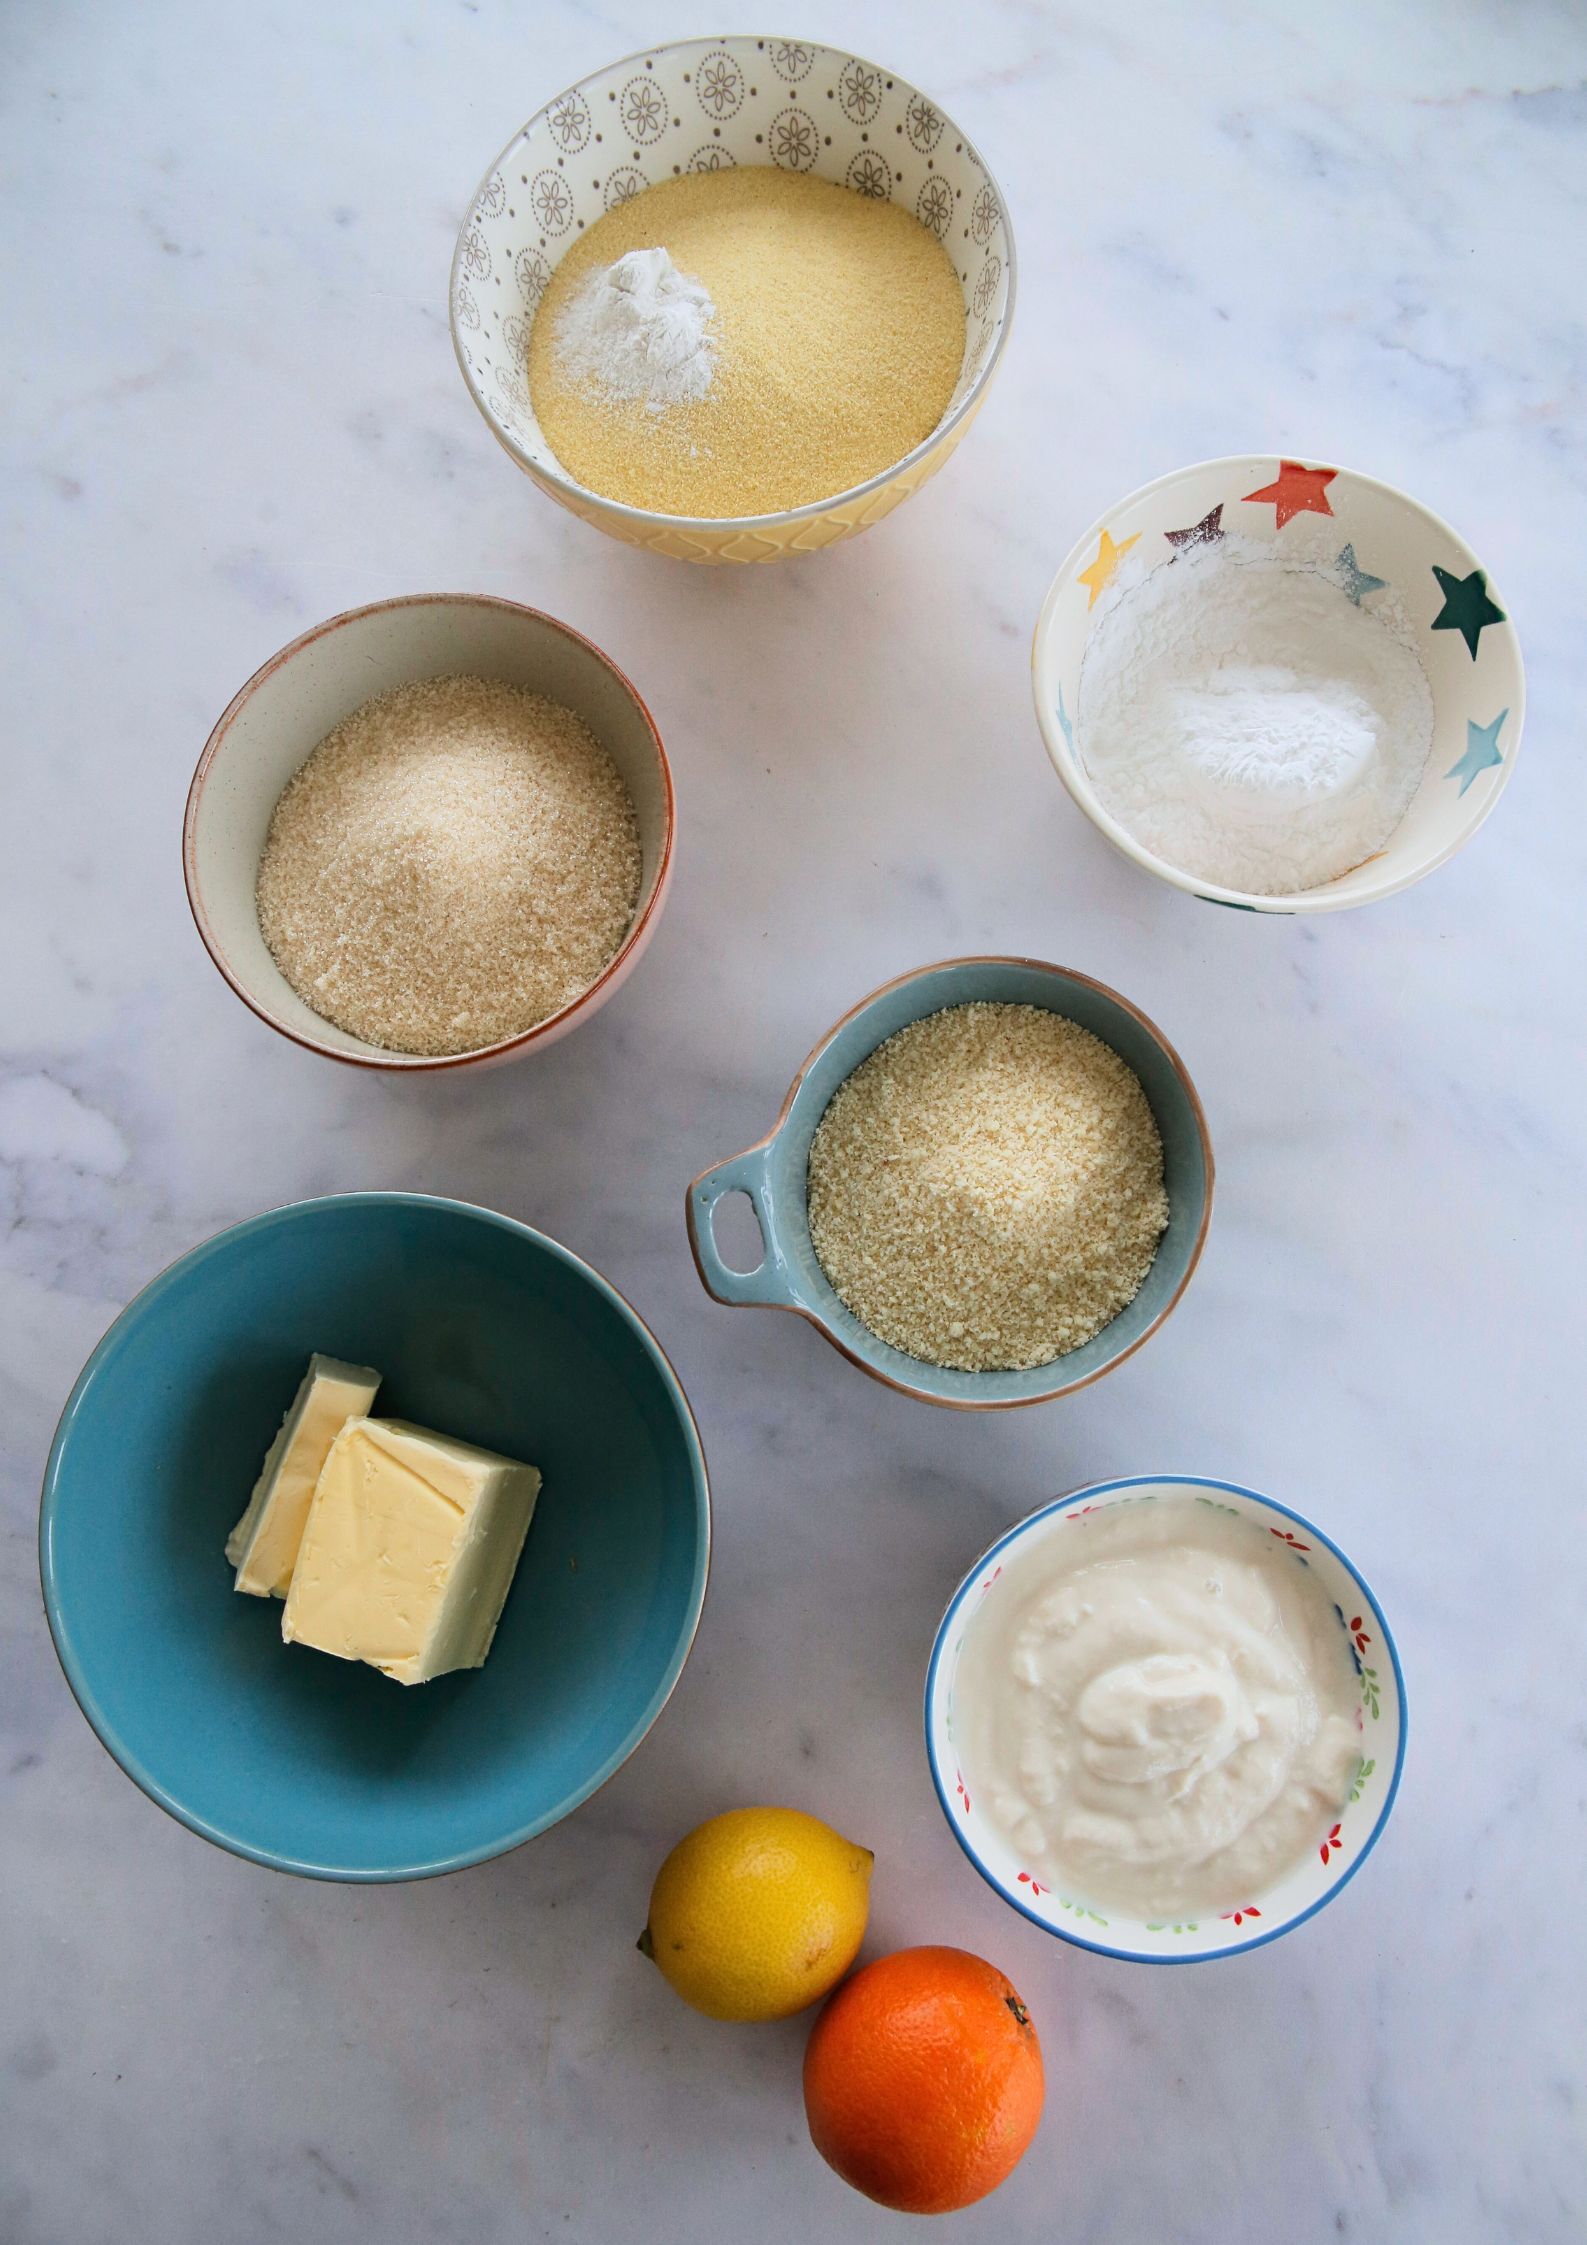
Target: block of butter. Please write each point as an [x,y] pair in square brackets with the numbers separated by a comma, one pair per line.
[409,1550]
[263,1547]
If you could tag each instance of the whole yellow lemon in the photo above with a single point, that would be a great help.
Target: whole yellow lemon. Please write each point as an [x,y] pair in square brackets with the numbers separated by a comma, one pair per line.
[758,1913]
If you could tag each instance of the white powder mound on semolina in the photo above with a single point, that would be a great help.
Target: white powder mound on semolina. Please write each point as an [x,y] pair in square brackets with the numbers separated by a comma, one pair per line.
[458,860]
[834,339]
[986,1190]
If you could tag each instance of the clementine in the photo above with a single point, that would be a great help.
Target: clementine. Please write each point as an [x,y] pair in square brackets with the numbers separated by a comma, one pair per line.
[923,2080]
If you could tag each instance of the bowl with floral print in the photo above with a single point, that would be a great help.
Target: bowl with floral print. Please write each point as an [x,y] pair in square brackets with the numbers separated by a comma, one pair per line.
[699,105]
[1343,1842]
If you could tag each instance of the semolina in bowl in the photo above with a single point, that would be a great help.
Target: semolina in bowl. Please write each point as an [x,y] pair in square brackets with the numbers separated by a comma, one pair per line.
[807,111]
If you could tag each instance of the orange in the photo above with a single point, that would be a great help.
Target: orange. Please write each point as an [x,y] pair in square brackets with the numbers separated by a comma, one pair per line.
[923,2080]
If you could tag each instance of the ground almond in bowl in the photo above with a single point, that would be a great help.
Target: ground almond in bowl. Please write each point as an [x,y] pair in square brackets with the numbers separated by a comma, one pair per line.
[986,1189]
[1158,1707]
[742,341]
[458,860]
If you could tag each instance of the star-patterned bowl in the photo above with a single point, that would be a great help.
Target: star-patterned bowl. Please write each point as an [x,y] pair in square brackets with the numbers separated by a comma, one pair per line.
[699,105]
[1375,542]
[990,1595]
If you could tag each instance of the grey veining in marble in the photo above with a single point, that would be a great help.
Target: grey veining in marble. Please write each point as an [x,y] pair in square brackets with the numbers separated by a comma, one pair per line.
[1349,232]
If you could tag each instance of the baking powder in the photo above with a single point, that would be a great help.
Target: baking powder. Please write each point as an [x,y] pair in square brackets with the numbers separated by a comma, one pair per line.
[639,331]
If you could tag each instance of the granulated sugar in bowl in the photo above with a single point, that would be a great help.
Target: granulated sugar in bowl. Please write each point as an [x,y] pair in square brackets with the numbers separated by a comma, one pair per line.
[456,861]
[997,1144]
[986,1190]
[848,386]
[434,833]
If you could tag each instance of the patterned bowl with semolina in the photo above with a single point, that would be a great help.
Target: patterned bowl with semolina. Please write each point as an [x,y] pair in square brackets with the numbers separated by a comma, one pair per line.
[810,131]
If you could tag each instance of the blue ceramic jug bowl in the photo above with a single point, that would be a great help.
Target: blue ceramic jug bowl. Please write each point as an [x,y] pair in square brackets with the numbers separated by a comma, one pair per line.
[483,1329]
[772,1174]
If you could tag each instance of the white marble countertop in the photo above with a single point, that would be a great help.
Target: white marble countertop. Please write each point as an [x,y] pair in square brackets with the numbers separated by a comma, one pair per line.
[234,410]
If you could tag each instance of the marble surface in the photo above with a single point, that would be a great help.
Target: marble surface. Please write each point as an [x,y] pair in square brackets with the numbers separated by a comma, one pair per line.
[233,409]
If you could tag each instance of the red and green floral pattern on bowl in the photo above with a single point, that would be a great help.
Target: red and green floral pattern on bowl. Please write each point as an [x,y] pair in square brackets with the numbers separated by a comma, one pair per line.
[1342,1845]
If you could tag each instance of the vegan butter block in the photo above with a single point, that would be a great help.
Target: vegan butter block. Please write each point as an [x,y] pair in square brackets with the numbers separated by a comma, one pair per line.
[409,1550]
[263,1547]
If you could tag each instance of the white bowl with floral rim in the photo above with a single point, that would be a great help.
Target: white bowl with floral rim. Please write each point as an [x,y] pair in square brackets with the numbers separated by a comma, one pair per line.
[698,105]
[1375,542]
[1251,1920]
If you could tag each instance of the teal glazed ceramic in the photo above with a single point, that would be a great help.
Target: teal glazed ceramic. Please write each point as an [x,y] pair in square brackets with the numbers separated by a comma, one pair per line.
[772,1174]
[483,1329]
[991,1592]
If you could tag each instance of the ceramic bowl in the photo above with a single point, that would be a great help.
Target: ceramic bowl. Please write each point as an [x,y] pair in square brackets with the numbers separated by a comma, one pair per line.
[1368,537]
[484,1329]
[696,105]
[772,1175]
[1262,1917]
[287,708]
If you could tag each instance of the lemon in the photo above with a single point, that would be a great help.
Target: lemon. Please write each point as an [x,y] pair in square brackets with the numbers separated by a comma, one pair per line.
[758,1912]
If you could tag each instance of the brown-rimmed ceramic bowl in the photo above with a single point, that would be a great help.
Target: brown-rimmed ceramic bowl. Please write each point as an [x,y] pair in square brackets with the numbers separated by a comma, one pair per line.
[773,1176]
[286,709]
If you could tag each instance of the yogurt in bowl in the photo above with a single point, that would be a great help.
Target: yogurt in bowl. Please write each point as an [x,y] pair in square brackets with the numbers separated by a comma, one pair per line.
[1165,1718]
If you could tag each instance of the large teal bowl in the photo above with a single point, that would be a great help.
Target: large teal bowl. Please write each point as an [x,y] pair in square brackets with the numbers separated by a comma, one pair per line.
[484,1329]
[772,1175]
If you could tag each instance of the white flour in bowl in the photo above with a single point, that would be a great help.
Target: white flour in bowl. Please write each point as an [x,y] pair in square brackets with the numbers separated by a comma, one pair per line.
[1245,719]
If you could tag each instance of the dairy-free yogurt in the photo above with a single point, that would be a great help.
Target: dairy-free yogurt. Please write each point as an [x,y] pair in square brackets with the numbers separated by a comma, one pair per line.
[1160,1706]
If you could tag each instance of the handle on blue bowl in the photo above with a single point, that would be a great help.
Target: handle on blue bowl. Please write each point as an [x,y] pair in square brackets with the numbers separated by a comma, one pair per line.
[767,1285]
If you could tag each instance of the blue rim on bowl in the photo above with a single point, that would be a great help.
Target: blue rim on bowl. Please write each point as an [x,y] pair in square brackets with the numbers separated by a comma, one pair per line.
[1367,1812]
[246,1659]
[772,1173]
